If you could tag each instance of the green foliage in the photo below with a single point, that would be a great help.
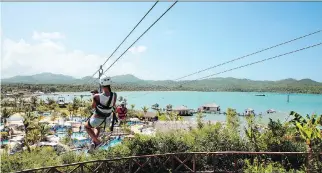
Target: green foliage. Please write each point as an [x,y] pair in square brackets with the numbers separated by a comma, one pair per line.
[5,114]
[232,119]
[206,137]
[215,84]
[72,157]
[307,127]
[40,157]
[4,135]
[270,167]
[199,120]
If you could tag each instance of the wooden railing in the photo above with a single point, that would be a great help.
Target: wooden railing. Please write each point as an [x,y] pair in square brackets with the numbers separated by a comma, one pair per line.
[230,161]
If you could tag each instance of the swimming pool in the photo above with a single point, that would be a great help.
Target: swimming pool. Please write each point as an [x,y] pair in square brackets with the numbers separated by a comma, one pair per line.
[112,143]
[4,142]
[133,123]
[74,135]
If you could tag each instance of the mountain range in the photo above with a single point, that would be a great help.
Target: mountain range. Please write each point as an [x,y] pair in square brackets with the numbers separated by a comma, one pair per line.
[50,78]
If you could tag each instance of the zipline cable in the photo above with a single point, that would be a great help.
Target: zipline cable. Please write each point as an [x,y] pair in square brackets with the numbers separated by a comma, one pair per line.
[124,39]
[128,35]
[140,36]
[249,64]
[298,38]
[242,57]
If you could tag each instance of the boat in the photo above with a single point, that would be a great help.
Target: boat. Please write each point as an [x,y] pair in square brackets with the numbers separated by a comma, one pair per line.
[260,95]
[269,111]
[61,101]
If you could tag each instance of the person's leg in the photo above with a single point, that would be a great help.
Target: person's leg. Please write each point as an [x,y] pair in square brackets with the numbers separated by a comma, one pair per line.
[97,131]
[93,123]
[91,133]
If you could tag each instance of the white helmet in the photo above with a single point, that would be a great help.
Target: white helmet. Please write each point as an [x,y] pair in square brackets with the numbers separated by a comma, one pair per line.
[105,81]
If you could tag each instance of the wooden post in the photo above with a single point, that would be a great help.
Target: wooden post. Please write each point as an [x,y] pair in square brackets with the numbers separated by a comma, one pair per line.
[194,163]
[173,164]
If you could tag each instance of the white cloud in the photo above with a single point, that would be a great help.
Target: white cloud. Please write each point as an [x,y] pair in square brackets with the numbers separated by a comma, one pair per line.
[47,35]
[137,49]
[45,55]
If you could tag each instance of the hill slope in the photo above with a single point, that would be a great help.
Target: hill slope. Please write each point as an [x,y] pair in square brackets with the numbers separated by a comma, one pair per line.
[132,83]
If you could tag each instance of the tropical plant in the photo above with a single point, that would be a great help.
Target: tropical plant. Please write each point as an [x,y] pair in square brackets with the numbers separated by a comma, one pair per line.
[5,115]
[200,123]
[145,109]
[169,107]
[70,109]
[252,132]
[75,105]
[309,131]
[132,106]
[44,130]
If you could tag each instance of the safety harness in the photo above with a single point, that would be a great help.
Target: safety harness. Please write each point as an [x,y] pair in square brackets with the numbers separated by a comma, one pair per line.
[104,115]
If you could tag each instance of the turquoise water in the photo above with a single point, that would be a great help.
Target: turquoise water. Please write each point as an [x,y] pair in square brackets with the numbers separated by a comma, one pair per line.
[74,135]
[112,143]
[301,103]
[4,142]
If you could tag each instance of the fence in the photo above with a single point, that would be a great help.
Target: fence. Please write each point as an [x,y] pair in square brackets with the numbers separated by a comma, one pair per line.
[229,161]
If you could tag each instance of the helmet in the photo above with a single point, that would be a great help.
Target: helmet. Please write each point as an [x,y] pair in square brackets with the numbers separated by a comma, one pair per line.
[105,81]
[123,103]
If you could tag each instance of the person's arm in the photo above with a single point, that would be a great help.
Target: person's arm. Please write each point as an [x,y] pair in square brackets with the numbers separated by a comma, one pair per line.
[95,97]
[114,101]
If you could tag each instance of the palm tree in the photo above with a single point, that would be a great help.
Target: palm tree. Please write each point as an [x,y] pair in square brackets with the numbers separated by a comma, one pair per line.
[15,101]
[42,102]
[5,115]
[34,103]
[132,106]
[29,124]
[70,109]
[309,130]
[169,107]
[21,103]
[43,129]
[75,105]
[145,109]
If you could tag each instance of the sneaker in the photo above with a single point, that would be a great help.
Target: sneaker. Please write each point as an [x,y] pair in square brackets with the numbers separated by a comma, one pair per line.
[97,145]
[92,146]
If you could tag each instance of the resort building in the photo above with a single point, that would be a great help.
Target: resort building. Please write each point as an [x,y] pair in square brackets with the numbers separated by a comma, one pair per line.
[249,111]
[182,110]
[210,108]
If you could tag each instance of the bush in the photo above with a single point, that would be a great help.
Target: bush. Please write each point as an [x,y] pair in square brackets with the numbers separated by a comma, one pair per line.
[40,157]
[4,135]
[270,167]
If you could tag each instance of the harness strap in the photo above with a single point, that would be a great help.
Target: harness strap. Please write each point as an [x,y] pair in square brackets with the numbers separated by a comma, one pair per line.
[99,105]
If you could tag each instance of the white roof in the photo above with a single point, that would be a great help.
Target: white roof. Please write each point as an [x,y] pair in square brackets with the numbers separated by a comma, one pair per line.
[211,105]
[181,108]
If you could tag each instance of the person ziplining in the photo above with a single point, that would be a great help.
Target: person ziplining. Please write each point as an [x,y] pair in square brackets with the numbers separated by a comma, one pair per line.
[104,109]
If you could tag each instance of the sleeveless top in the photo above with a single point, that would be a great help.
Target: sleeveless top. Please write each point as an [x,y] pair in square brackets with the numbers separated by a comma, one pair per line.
[104,104]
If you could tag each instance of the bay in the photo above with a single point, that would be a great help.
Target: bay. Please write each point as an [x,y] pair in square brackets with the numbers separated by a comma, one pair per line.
[301,103]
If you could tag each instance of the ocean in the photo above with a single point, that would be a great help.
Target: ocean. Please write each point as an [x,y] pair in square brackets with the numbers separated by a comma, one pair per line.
[301,103]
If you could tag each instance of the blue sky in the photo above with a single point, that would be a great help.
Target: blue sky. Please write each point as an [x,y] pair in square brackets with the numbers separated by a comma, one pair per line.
[190,37]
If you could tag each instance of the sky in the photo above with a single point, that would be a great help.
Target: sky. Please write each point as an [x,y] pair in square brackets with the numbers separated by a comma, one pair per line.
[74,38]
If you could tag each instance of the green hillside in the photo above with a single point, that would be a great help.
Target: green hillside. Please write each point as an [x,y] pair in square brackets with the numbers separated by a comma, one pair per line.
[131,83]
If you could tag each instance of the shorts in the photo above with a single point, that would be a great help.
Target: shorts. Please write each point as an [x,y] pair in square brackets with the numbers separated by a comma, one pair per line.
[96,122]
